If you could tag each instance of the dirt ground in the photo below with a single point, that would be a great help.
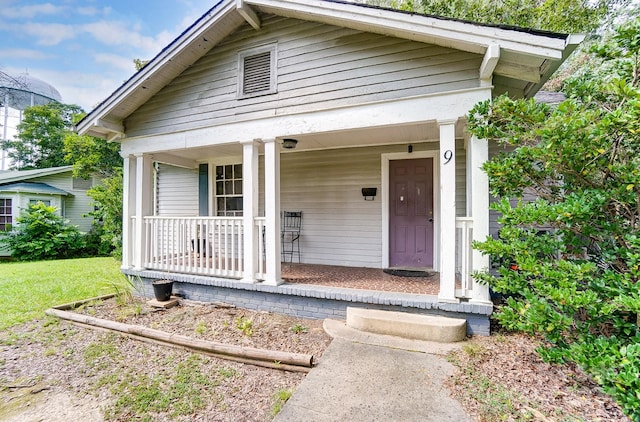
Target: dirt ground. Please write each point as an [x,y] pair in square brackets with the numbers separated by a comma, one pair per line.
[51,370]
[501,378]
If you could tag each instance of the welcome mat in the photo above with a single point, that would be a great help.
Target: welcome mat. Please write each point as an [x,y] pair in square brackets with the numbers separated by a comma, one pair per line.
[408,273]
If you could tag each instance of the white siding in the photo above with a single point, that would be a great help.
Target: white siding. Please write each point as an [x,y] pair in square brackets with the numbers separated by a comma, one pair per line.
[177,191]
[319,67]
[338,226]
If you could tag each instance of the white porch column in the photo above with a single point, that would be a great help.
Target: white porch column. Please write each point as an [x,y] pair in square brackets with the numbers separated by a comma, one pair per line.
[447,211]
[250,209]
[143,206]
[272,211]
[128,209]
[477,154]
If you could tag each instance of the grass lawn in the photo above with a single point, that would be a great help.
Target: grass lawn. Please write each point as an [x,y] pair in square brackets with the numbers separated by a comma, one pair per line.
[29,288]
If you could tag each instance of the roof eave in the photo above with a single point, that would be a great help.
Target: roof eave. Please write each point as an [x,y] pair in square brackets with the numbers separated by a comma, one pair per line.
[37,189]
[106,121]
[572,42]
[91,123]
[32,174]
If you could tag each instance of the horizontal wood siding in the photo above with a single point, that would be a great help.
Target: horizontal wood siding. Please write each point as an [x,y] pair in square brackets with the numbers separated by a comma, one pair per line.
[177,191]
[319,66]
[76,206]
[338,227]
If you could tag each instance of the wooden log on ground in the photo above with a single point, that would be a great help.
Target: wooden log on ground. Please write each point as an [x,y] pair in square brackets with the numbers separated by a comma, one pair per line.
[205,346]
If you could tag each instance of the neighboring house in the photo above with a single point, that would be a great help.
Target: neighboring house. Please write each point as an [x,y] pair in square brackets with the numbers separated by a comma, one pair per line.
[269,105]
[54,186]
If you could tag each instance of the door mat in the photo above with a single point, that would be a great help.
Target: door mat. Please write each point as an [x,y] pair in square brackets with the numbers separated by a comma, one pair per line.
[408,273]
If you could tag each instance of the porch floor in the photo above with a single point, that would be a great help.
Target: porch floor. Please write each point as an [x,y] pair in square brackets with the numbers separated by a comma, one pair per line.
[359,278]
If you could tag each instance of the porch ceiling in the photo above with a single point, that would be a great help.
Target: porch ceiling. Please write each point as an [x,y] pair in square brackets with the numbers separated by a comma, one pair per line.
[373,136]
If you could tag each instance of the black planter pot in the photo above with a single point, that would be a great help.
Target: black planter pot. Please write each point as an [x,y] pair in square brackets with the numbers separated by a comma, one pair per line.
[162,289]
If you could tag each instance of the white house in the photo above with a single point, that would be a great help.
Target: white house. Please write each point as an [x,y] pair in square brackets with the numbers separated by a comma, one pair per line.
[54,186]
[269,105]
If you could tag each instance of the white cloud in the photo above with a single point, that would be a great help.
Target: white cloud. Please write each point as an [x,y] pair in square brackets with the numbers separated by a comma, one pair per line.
[89,11]
[98,50]
[30,11]
[47,34]
[77,86]
[24,54]
[115,61]
[116,33]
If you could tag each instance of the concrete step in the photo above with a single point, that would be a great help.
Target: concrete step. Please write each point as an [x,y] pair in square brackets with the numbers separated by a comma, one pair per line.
[406,325]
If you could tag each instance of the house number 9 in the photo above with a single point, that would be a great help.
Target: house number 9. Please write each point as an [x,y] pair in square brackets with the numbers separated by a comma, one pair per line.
[448,155]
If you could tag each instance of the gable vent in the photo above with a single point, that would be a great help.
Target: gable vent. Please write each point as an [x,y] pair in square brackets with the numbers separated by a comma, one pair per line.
[257,73]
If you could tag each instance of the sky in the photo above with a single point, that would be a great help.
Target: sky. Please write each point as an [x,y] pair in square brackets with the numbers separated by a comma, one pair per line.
[86,48]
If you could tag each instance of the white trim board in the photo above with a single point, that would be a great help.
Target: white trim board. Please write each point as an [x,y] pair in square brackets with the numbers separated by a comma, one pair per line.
[426,108]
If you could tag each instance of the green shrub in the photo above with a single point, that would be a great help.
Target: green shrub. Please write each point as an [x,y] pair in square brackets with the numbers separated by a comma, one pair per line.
[569,261]
[41,234]
[95,245]
[107,198]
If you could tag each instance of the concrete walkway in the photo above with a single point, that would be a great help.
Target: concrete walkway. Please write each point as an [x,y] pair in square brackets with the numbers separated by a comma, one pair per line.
[371,377]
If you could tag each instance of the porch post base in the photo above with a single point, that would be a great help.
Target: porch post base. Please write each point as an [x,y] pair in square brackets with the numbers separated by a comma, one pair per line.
[481,302]
[248,280]
[445,299]
[273,282]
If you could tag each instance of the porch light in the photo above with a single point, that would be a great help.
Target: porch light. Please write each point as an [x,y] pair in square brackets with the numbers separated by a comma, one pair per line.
[289,143]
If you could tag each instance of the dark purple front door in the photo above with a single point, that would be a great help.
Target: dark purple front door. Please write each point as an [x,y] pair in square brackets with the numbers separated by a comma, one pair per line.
[411,213]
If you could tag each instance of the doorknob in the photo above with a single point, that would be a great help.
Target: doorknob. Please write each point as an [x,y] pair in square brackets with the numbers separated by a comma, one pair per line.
[431,220]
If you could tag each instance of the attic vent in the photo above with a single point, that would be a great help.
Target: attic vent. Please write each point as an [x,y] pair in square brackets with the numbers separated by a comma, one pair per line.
[82,184]
[257,74]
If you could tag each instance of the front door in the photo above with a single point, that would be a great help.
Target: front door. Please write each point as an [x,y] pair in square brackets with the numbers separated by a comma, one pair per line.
[411,213]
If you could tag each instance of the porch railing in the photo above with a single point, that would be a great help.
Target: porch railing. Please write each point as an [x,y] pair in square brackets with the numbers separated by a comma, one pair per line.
[464,256]
[195,245]
[260,228]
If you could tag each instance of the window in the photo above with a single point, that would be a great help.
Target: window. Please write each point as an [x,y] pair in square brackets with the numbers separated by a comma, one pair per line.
[257,71]
[47,202]
[229,190]
[5,214]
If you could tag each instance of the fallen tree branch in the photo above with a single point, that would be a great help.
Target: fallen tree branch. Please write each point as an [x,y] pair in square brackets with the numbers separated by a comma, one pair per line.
[261,357]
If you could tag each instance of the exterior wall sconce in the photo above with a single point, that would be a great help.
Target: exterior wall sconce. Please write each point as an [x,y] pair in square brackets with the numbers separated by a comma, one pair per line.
[369,194]
[289,143]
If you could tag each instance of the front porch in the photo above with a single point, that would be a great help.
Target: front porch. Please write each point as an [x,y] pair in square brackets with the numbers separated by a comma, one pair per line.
[214,246]
[321,291]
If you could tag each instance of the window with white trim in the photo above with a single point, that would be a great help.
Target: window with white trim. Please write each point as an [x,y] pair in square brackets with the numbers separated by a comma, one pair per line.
[257,73]
[5,214]
[47,202]
[229,190]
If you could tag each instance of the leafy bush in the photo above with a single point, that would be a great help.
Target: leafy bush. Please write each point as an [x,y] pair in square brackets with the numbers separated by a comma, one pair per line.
[42,234]
[107,198]
[94,241]
[576,283]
